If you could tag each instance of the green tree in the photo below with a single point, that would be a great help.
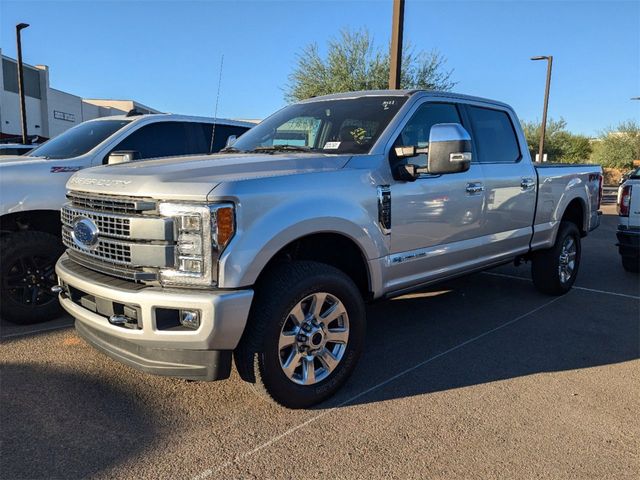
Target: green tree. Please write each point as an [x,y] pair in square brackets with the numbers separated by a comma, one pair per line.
[354,62]
[560,145]
[618,147]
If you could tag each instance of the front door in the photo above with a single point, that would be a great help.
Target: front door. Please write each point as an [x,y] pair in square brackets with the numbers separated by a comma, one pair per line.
[437,219]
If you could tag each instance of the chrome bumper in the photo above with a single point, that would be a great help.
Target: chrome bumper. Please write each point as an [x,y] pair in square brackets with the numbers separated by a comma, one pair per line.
[223,313]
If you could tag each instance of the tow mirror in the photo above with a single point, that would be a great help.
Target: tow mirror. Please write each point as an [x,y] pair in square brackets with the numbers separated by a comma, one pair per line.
[449,149]
[231,139]
[122,156]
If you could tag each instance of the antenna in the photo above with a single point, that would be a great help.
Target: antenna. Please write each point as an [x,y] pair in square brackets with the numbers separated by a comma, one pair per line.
[215,113]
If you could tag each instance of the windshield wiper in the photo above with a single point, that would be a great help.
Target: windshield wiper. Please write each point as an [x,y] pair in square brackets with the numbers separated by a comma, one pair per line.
[231,150]
[281,148]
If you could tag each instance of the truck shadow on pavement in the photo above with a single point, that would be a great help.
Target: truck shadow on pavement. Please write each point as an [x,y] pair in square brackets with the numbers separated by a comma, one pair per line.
[72,431]
[468,332]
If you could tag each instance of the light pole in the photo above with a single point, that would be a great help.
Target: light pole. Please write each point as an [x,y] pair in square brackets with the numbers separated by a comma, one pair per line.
[549,60]
[395,58]
[23,111]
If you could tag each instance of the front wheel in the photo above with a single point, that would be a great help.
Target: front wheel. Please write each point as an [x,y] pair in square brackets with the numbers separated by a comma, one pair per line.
[554,270]
[27,273]
[304,335]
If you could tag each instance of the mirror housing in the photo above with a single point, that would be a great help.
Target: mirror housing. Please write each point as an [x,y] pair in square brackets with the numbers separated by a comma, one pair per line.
[122,156]
[231,139]
[449,149]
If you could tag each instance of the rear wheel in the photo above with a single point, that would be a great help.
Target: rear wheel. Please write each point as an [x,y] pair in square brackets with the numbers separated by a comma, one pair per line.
[631,263]
[304,335]
[554,270]
[27,273]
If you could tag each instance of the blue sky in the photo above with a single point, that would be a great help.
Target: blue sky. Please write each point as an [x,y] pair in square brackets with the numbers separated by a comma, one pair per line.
[167,54]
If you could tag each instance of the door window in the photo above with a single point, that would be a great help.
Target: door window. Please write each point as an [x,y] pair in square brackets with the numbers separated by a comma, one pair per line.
[494,135]
[160,139]
[416,131]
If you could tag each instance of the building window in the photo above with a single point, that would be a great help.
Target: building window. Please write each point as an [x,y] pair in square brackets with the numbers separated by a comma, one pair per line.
[10,78]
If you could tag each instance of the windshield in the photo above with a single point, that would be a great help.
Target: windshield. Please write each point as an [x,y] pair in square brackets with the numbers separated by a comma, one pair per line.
[78,140]
[635,174]
[331,126]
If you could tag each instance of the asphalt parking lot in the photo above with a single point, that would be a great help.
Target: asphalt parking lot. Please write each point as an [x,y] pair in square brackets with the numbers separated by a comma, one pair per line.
[481,377]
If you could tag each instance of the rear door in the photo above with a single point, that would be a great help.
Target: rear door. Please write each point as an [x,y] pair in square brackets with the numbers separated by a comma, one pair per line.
[510,182]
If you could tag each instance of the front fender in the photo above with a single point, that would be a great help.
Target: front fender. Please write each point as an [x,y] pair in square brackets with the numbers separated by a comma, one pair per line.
[257,242]
[35,185]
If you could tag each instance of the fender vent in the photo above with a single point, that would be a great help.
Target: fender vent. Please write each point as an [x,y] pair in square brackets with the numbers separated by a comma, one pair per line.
[384,208]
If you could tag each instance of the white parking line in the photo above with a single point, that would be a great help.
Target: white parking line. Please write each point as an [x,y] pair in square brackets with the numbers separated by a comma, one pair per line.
[207,473]
[39,330]
[504,275]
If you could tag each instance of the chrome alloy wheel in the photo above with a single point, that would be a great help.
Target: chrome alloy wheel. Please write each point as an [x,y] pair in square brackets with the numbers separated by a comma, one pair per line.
[313,338]
[567,263]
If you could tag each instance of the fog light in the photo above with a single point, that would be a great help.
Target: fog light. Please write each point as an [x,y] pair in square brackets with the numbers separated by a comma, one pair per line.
[190,319]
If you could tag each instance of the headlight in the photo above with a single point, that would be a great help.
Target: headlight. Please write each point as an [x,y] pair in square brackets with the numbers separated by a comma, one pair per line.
[202,232]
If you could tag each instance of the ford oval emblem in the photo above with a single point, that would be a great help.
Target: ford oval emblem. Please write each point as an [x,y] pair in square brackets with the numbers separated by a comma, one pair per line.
[85,233]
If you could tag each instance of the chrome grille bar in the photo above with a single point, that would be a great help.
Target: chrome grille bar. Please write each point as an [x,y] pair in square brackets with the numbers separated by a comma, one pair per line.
[111,269]
[130,227]
[102,203]
[125,253]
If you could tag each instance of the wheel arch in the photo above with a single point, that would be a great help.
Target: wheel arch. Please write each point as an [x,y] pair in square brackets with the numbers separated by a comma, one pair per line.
[575,212]
[331,248]
[47,221]
[336,244]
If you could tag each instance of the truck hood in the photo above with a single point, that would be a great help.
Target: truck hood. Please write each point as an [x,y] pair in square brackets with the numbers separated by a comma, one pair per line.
[192,178]
[15,159]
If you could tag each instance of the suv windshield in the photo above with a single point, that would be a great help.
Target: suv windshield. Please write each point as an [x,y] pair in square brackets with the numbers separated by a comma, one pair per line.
[78,140]
[331,126]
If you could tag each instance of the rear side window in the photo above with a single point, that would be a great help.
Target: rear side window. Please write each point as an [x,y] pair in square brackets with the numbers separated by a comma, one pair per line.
[494,135]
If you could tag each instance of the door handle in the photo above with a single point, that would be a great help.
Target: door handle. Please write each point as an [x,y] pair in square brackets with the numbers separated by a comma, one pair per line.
[527,183]
[475,187]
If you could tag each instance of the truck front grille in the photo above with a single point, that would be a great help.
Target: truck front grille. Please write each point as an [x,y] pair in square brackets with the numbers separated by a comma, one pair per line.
[111,225]
[133,240]
[107,250]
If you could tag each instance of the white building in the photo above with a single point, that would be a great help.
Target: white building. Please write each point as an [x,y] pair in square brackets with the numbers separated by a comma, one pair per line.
[49,111]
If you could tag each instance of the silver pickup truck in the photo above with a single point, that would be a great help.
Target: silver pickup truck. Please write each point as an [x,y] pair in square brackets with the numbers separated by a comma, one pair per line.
[268,251]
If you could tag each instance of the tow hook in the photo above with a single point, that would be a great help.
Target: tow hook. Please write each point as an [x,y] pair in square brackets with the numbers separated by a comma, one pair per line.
[60,290]
[123,321]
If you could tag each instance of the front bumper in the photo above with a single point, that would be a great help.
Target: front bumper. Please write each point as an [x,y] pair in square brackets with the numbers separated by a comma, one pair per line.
[628,242]
[203,354]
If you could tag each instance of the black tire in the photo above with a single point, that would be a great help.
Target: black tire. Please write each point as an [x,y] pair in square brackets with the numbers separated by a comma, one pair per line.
[631,263]
[545,265]
[258,355]
[27,273]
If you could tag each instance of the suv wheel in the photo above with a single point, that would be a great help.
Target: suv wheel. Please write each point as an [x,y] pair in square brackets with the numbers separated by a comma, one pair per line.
[554,270]
[27,273]
[304,335]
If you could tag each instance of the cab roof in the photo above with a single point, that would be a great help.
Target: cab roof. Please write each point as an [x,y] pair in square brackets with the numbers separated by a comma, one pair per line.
[401,93]
[167,117]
